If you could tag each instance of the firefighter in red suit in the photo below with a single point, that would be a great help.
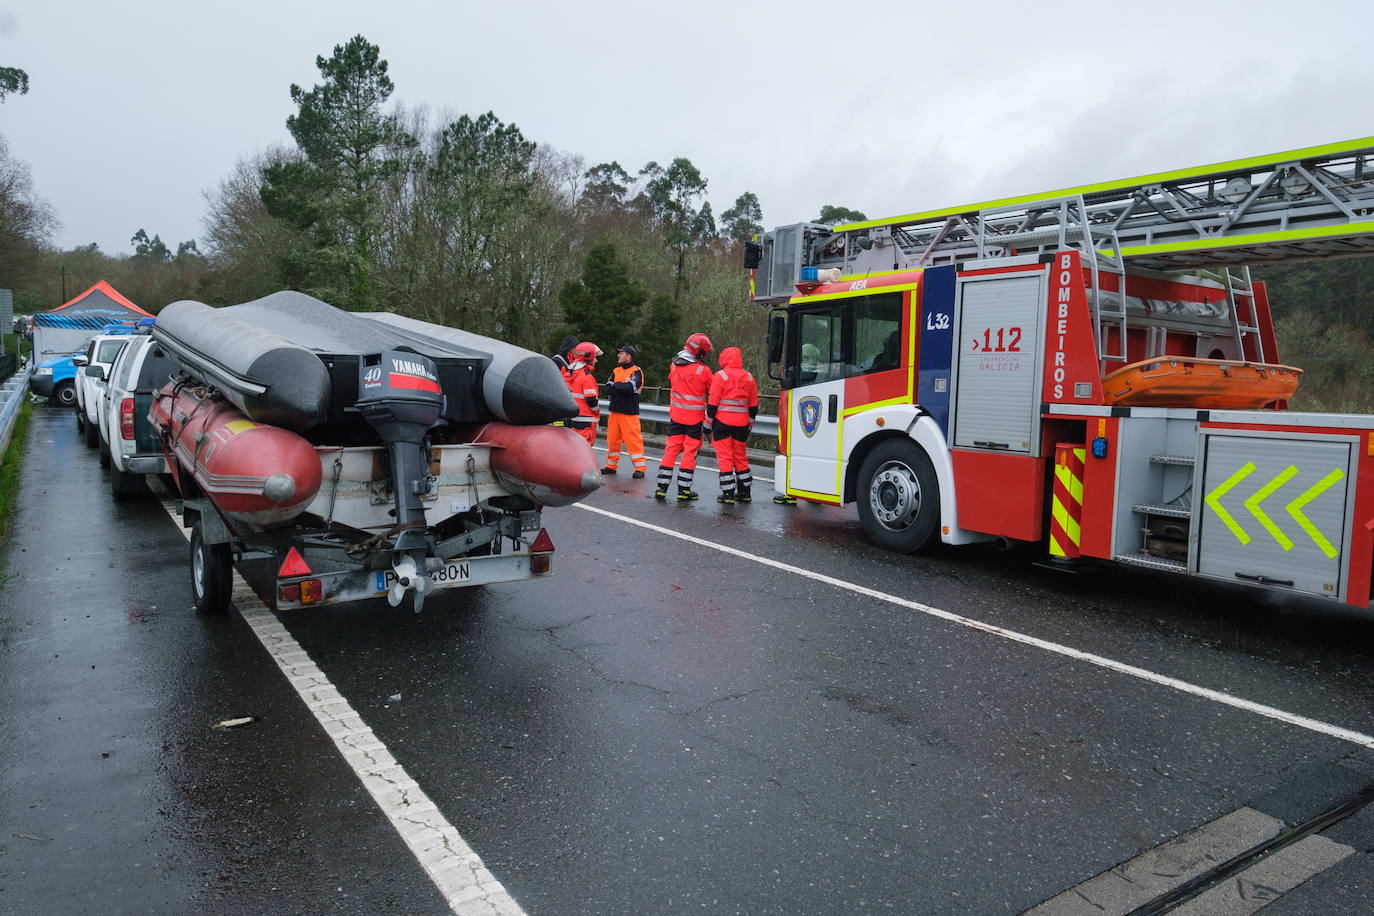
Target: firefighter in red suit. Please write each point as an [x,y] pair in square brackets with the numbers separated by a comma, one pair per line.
[583,386]
[690,380]
[732,405]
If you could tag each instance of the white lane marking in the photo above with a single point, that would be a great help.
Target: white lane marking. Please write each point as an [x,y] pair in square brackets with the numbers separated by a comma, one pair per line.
[442,852]
[1216,696]
[602,448]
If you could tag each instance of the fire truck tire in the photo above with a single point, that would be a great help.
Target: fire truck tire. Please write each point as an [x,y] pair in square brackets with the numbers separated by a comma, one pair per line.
[898,497]
[212,573]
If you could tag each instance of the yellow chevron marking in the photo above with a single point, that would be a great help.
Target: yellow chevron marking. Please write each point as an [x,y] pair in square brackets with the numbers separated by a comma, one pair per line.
[1072,484]
[1295,509]
[1263,493]
[1213,499]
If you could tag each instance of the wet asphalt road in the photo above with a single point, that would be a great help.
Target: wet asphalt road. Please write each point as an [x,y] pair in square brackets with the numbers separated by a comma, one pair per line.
[660,728]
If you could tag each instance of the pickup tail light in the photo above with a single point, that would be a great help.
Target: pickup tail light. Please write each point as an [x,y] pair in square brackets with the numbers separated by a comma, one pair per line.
[126,418]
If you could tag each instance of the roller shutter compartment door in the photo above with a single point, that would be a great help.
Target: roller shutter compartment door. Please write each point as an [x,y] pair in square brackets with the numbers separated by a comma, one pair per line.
[998,386]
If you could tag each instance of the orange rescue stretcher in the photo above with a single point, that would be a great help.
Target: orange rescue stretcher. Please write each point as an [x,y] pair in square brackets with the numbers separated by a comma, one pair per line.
[1213,384]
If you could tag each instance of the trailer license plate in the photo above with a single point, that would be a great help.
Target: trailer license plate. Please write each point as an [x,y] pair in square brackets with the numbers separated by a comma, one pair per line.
[446,575]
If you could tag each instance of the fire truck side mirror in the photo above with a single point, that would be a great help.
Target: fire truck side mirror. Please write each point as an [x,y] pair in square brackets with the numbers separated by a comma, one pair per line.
[777,328]
[753,255]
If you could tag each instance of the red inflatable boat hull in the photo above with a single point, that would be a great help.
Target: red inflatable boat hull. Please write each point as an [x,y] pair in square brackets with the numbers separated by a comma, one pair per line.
[551,465]
[259,475]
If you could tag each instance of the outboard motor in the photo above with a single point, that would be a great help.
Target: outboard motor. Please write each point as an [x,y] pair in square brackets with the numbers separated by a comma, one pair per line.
[400,397]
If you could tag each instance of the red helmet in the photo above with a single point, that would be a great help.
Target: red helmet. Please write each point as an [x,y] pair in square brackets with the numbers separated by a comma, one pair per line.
[698,345]
[586,351]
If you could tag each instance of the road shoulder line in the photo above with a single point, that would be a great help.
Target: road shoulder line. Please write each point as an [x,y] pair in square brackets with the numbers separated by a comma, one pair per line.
[1207,693]
[456,870]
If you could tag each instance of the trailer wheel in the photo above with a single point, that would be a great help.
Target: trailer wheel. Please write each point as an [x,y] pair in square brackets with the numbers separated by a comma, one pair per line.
[212,573]
[899,497]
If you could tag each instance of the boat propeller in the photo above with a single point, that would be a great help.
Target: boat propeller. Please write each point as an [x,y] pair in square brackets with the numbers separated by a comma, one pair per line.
[408,579]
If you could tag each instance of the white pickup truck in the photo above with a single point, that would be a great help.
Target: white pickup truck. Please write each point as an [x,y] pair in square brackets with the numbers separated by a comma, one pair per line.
[101,351]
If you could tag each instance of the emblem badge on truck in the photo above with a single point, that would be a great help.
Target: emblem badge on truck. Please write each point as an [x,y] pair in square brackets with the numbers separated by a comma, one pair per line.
[809,412]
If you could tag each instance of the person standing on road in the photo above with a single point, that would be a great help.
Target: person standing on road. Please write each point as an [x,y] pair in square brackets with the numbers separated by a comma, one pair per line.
[583,386]
[690,380]
[622,423]
[561,359]
[732,406]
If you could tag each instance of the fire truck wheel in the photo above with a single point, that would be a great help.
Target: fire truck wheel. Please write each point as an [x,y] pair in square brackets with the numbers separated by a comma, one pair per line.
[899,497]
[212,573]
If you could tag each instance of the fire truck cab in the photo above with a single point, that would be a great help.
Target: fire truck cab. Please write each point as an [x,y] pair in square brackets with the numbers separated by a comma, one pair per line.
[1090,369]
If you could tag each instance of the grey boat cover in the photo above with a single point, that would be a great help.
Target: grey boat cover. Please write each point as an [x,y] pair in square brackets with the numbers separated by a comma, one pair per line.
[293,361]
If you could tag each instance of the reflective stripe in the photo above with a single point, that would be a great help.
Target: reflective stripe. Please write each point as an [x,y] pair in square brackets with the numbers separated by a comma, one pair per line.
[732,406]
[688,397]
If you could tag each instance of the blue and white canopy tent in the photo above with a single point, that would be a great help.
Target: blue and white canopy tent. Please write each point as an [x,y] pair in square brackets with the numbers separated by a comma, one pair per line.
[62,331]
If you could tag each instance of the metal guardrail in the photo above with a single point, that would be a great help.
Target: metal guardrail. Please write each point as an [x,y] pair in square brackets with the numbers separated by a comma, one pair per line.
[11,398]
[764,425]
[654,409]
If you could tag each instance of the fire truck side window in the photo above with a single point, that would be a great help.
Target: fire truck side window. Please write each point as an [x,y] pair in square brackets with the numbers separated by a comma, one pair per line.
[877,333]
[820,356]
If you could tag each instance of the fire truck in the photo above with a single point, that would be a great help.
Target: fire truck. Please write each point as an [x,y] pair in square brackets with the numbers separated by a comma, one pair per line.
[1091,369]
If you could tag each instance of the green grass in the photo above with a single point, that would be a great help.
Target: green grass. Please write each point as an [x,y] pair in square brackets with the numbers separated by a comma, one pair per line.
[9,471]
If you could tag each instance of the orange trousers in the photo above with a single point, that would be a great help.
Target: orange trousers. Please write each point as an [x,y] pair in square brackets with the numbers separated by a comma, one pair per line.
[623,428]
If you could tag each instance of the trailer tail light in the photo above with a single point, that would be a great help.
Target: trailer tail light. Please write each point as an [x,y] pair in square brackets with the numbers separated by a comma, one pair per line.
[308,591]
[541,554]
[126,418]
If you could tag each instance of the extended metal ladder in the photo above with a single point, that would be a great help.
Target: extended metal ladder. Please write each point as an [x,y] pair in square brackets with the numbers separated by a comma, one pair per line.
[1314,202]
[1309,203]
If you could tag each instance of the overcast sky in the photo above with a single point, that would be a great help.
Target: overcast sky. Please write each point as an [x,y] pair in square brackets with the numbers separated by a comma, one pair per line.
[136,109]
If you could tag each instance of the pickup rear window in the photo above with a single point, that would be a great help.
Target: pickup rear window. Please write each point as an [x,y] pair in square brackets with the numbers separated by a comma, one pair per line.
[157,370]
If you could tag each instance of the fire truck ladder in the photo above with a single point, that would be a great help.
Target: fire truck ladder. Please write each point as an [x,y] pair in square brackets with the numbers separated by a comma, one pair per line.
[1316,202]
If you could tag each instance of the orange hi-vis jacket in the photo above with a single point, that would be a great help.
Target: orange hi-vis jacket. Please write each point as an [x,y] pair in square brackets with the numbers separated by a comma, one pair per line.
[583,386]
[691,383]
[733,391]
